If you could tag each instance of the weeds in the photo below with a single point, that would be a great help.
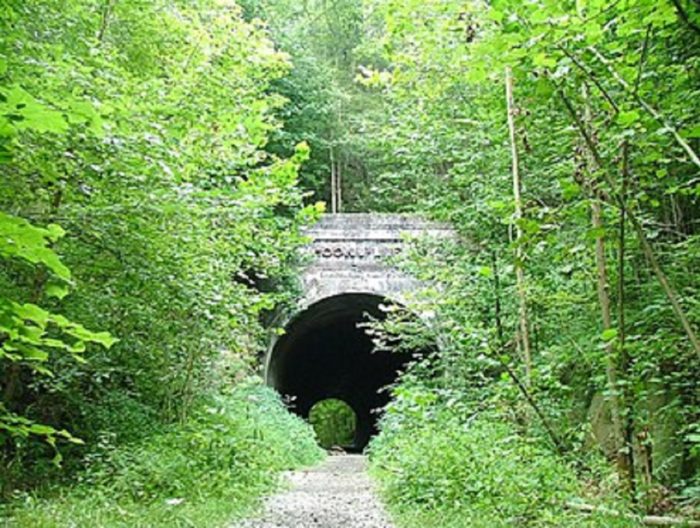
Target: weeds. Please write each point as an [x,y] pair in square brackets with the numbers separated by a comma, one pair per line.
[204,472]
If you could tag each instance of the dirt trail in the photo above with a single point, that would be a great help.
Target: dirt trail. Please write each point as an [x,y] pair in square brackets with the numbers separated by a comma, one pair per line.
[336,494]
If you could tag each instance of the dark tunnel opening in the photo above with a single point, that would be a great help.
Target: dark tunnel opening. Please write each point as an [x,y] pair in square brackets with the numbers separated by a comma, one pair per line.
[324,354]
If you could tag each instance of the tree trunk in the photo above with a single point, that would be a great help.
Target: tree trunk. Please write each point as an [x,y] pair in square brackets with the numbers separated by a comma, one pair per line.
[497,300]
[104,20]
[624,361]
[334,192]
[524,334]
[621,455]
[623,452]
[339,185]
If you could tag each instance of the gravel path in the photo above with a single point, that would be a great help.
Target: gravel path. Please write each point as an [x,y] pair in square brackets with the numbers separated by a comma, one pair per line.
[336,494]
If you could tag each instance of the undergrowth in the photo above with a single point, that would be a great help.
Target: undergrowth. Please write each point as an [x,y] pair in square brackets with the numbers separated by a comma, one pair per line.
[204,472]
[441,464]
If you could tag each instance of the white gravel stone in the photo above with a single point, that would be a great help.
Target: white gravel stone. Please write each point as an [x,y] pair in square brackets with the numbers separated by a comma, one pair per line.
[336,494]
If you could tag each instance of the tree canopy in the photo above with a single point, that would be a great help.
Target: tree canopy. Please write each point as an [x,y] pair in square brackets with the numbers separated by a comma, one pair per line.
[160,159]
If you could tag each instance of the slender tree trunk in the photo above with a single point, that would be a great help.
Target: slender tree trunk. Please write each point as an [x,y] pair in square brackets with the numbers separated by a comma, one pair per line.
[623,456]
[524,334]
[497,300]
[104,19]
[606,316]
[623,447]
[334,192]
[335,159]
[339,185]
[624,361]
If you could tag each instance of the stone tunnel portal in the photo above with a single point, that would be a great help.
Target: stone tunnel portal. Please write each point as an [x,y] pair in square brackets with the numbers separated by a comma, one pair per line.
[324,354]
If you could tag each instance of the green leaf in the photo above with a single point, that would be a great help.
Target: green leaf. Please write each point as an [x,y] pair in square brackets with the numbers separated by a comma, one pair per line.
[693,132]
[486,271]
[20,239]
[544,61]
[496,15]
[627,118]
[32,312]
[104,338]
[30,113]
[31,353]
[55,232]
[59,291]
[39,429]
[609,334]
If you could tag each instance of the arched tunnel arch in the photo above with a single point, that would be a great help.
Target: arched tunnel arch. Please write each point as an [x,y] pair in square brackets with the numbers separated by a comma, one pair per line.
[325,354]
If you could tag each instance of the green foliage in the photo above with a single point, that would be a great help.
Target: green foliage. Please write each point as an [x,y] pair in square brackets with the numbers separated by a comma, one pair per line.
[19,239]
[441,463]
[25,328]
[203,472]
[166,138]
[426,117]
[139,128]
[28,333]
[424,130]
[324,43]
[334,423]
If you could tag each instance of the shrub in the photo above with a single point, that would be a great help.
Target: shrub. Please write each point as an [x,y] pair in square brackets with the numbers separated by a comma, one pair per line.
[200,473]
[440,465]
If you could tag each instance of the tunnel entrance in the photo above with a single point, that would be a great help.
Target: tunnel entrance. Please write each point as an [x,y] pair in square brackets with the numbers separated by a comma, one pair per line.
[324,354]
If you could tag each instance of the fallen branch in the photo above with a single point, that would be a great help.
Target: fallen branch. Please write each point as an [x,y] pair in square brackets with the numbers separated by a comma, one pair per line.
[647,520]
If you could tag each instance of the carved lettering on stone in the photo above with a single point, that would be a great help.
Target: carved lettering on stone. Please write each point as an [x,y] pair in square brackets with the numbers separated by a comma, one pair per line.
[352,252]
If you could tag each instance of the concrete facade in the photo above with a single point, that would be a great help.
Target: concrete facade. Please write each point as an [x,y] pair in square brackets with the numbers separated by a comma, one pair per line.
[324,351]
[348,254]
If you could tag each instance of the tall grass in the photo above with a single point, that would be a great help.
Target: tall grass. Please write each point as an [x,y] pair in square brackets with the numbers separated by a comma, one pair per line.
[441,464]
[205,472]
